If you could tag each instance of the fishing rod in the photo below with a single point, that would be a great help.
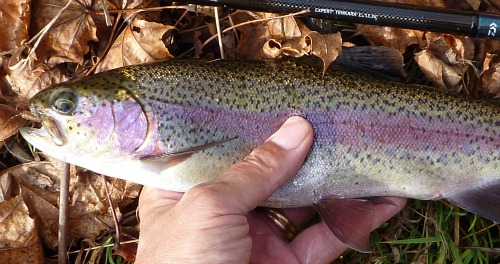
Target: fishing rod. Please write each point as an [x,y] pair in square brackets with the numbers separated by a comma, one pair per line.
[470,23]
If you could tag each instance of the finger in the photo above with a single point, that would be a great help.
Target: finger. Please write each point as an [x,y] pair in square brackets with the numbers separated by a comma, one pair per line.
[317,244]
[282,223]
[152,198]
[251,181]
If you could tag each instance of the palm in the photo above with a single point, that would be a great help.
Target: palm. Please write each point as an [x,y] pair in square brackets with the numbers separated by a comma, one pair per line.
[268,245]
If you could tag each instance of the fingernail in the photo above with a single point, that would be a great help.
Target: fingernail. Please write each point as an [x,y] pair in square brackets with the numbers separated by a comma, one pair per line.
[292,133]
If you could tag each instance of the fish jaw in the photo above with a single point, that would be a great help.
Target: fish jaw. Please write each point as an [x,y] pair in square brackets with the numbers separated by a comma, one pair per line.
[44,141]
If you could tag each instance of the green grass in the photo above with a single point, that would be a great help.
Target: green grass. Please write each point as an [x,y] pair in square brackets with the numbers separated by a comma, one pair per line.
[432,232]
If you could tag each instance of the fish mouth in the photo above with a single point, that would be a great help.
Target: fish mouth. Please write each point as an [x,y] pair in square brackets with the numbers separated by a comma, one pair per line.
[53,130]
[49,129]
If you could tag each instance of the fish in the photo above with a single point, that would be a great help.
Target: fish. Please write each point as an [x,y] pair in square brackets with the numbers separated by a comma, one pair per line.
[179,123]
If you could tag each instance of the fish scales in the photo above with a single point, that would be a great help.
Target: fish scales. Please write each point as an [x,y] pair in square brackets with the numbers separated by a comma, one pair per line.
[372,137]
[285,91]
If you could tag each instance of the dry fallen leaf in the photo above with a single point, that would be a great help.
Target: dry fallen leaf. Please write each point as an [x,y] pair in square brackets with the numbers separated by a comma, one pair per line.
[10,121]
[435,70]
[325,46]
[474,3]
[68,38]
[140,42]
[27,82]
[122,4]
[397,38]
[5,187]
[286,37]
[19,241]
[490,79]
[444,59]
[255,35]
[89,211]
[14,18]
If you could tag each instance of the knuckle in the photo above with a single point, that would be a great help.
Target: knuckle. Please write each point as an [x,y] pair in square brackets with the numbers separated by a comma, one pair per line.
[265,160]
[205,195]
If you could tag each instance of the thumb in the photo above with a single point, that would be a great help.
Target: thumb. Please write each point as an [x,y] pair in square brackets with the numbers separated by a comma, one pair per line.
[250,182]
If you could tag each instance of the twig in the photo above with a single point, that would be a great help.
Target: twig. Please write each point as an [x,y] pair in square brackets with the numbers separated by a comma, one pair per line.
[62,257]
[108,46]
[180,18]
[231,22]
[38,37]
[219,34]
[246,23]
[133,241]
[106,13]
[146,9]
[117,244]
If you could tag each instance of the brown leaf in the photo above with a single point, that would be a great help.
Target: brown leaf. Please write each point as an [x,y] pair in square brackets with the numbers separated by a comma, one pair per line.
[122,4]
[140,42]
[15,19]
[67,40]
[474,4]
[327,47]
[290,37]
[127,251]
[441,74]
[27,82]
[256,35]
[10,121]
[490,79]
[5,187]
[88,212]
[391,37]
[19,241]
[445,59]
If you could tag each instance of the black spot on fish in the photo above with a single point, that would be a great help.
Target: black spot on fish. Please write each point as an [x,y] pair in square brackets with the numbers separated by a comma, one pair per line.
[103,104]
[70,128]
[78,124]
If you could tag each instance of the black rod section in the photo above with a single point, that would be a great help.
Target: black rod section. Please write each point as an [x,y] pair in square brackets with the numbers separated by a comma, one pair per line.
[474,24]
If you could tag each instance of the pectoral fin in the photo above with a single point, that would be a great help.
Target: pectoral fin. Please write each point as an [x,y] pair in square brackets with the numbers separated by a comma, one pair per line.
[175,157]
[351,220]
[481,200]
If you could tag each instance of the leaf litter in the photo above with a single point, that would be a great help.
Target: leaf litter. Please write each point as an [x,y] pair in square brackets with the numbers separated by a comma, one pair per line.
[50,41]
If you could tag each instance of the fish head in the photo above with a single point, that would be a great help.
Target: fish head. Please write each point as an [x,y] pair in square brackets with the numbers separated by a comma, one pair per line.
[101,119]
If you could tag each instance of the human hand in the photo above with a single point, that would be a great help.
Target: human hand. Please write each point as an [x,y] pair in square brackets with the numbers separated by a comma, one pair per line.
[214,222]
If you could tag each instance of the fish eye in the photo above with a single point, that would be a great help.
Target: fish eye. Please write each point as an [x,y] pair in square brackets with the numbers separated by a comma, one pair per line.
[64,101]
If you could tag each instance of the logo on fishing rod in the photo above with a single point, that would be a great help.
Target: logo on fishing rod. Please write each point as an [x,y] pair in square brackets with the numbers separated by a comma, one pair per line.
[493,30]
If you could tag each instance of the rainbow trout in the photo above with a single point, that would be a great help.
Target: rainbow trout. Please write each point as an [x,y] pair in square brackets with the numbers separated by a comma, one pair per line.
[179,123]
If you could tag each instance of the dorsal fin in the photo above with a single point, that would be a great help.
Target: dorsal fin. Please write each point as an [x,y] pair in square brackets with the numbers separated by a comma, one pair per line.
[379,60]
